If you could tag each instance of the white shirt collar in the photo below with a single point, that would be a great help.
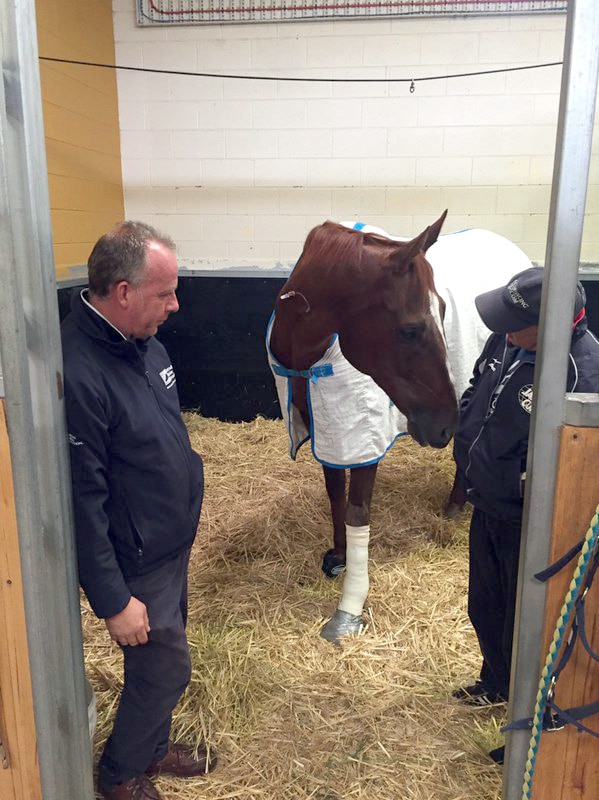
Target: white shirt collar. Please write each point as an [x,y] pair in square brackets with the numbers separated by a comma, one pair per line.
[95,310]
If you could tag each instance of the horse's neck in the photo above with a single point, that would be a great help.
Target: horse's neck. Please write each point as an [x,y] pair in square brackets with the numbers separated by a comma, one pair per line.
[299,340]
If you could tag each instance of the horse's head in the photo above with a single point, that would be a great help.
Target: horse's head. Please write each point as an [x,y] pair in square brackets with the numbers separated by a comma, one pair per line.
[391,329]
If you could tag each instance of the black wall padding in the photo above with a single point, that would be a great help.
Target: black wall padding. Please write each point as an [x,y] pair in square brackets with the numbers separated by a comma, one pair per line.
[216,343]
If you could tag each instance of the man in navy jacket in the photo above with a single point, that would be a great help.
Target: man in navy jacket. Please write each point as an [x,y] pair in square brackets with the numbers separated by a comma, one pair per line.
[137,496]
[490,449]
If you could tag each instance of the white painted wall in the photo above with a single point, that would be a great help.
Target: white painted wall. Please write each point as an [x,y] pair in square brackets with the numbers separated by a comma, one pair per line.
[238,171]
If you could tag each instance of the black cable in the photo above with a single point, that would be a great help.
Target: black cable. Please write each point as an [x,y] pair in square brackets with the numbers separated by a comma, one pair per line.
[411,81]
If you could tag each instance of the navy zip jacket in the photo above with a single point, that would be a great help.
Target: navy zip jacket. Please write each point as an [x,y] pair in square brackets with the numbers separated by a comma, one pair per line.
[137,484]
[491,443]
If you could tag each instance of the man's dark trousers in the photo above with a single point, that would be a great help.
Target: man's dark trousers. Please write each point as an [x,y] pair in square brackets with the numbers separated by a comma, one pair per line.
[156,675]
[494,555]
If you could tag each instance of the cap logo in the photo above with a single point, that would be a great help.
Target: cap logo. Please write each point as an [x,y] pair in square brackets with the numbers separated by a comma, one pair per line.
[515,295]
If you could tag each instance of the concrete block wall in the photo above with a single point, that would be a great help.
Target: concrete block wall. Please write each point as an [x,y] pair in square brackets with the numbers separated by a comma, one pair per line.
[238,171]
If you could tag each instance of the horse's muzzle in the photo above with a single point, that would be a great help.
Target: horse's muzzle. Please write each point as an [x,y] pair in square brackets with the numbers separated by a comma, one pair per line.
[433,430]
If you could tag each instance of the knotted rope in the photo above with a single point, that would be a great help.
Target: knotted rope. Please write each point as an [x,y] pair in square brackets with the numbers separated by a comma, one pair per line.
[588,547]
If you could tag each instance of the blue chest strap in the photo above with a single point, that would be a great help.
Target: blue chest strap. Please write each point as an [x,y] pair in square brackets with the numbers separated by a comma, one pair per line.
[312,374]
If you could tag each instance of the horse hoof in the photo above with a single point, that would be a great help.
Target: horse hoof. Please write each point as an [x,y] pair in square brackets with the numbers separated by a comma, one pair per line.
[332,564]
[342,623]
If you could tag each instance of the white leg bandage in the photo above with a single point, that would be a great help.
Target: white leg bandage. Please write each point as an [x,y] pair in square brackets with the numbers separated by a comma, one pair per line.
[355,583]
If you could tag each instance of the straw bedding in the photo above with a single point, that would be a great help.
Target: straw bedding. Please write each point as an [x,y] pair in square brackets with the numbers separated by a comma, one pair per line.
[293,717]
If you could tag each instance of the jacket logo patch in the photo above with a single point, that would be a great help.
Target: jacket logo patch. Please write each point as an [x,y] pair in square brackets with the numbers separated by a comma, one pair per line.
[168,376]
[525,397]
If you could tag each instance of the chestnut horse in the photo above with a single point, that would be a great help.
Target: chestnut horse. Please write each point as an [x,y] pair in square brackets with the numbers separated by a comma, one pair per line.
[373,300]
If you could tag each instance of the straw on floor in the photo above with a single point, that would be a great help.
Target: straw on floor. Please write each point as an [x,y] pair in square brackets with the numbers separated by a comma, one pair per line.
[293,717]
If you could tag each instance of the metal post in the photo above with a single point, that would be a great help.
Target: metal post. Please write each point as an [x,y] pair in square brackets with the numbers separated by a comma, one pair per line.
[566,218]
[32,367]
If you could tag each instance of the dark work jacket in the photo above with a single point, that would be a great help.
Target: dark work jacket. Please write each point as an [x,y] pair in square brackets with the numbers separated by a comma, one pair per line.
[491,443]
[137,484]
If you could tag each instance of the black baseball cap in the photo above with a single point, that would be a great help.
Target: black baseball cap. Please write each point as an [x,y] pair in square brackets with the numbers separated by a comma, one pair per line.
[517,305]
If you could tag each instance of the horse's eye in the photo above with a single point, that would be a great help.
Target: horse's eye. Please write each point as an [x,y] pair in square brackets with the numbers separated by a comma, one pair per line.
[411,333]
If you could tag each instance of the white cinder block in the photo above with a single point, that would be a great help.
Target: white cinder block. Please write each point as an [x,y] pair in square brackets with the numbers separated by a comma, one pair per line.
[525,139]
[202,254]
[551,45]
[391,50]
[239,89]
[477,140]
[280,172]
[404,200]
[358,204]
[305,201]
[541,170]
[523,199]
[251,144]
[449,48]
[360,143]
[170,56]
[195,88]
[229,228]
[175,172]
[305,144]
[135,87]
[228,172]
[171,116]
[279,228]
[545,80]
[535,227]
[254,253]
[446,111]
[387,171]
[128,54]
[546,109]
[224,115]
[136,171]
[182,227]
[334,113]
[443,171]
[271,54]
[333,172]
[520,47]
[223,55]
[148,144]
[278,114]
[132,117]
[414,141]
[147,200]
[391,112]
[199,144]
[335,51]
[500,170]
[463,199]
[201,199]
[258,201]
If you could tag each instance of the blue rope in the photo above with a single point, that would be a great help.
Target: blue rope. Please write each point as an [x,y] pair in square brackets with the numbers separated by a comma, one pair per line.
[547,673]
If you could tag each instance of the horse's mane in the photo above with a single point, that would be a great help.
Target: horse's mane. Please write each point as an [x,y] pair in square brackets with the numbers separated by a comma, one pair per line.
[336,245]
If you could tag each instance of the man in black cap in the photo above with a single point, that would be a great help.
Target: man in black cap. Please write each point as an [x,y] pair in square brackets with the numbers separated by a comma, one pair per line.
[490,451]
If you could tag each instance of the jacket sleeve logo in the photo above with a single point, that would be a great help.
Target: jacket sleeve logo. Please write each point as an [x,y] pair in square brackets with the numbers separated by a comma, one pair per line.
[168,376]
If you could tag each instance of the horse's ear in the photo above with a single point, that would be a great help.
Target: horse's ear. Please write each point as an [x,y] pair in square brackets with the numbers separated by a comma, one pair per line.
[433,231]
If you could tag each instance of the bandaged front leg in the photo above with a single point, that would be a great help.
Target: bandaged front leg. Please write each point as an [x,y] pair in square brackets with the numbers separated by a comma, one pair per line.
[355,583]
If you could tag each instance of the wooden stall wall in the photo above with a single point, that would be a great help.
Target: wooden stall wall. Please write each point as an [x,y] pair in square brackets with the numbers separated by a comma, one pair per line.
[81,121]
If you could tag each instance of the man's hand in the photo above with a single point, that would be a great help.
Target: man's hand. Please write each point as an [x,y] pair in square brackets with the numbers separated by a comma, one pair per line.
[131,625]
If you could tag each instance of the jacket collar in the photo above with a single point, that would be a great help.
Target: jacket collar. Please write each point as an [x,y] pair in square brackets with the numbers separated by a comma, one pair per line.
[97,327]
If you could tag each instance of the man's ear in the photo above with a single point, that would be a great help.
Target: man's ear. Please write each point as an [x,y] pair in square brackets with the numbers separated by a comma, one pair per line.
[122,293]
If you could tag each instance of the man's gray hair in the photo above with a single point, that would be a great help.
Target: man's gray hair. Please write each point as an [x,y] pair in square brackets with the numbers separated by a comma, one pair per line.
[120,255]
